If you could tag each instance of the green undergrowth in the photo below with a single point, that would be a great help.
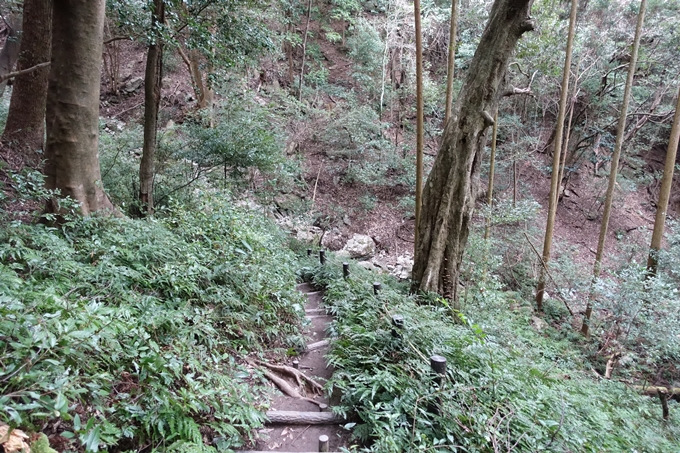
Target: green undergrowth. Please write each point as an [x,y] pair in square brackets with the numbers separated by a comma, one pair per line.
[508,387]
[126,335]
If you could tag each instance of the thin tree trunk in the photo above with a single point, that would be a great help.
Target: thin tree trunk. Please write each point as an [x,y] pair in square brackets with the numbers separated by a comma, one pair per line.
[492,167]
[419,117]
[25,127]
[665,192]
[514,181]
[451,60]
[153,83]
[73,105]
[621,129]
[552,198]
[565,151]
[10,51]
[450,191]
[289,53]
[304,48]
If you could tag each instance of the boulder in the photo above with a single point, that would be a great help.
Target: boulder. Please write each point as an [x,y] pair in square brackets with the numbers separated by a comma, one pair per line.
[360,246]
[133,85]
[333,239]
[402,270]
[309,234]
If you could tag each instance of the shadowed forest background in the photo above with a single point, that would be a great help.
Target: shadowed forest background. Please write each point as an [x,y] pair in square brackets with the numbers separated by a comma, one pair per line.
[167,164]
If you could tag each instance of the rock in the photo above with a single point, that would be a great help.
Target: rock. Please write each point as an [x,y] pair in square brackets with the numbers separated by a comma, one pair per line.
[360,246]
[343,254]
[288,202]
[292,148]
[310,234]
[346,221]
[133,85]
[333,239]
[402,270]
[538,324]
[367,265]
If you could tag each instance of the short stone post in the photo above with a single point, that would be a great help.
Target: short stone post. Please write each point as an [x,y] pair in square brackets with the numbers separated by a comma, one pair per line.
[376,288]
[438,366]
[323,442]
[345,270]
[309,252]
[397,325]
[322,257]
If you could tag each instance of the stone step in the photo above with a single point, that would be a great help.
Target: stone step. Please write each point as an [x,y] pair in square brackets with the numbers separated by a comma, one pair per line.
[317,345]
[304,418]
[316,311]
[318,316]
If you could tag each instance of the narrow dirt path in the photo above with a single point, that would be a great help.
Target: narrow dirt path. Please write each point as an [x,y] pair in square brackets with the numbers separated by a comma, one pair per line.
[298,425]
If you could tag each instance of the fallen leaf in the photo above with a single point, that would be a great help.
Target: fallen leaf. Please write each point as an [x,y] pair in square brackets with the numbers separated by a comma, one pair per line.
[13,441]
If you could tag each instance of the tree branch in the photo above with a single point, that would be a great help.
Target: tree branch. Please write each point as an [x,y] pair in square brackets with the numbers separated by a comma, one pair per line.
[11,75]
[117,38]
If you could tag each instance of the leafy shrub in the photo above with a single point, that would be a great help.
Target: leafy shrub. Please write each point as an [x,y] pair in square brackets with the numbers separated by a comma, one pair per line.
[507,387]
[130,332]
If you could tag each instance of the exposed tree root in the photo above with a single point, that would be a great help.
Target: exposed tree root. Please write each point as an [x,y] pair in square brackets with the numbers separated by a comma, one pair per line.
[284,386]
[299,376]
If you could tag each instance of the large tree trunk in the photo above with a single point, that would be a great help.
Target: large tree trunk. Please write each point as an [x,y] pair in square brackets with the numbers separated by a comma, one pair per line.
[73,105]
[153,82]
[25,126]
[10,51]
[451,188]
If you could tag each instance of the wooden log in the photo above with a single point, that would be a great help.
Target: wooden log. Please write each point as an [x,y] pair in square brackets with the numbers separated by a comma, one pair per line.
[317,345]
[315,311]
[653,390]
[304,418]
[270,451]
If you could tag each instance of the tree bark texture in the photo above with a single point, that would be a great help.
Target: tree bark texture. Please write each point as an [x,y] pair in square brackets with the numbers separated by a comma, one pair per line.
[73,105]
[453,32]
[25,127]
[10,51]
[452,185]
[153,83]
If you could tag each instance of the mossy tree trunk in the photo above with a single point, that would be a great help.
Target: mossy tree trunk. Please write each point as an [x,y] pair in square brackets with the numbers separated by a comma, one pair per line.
[73,105]
[452,185]
[153,83]
[24,130]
